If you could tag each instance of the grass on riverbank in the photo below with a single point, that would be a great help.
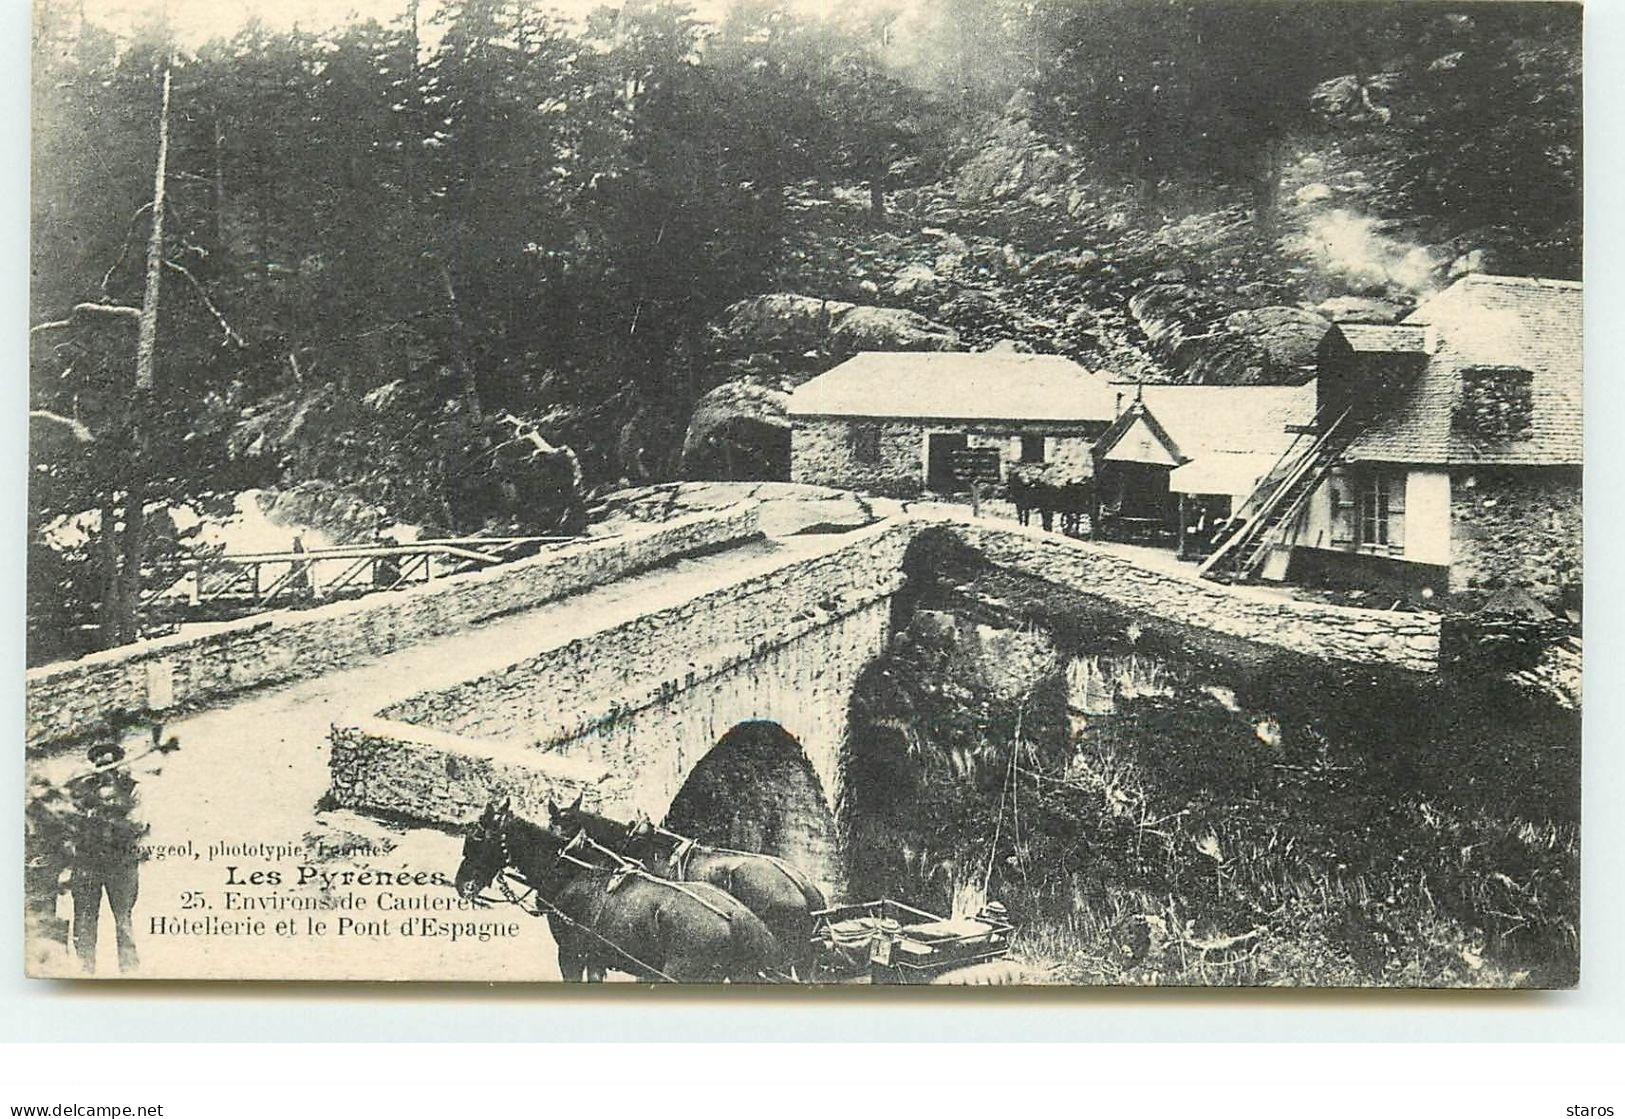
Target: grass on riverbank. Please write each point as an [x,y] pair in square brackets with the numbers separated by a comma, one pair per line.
[1246,820]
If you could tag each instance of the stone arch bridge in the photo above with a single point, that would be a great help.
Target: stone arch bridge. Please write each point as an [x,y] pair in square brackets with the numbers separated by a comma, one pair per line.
[760,671]
[653,671]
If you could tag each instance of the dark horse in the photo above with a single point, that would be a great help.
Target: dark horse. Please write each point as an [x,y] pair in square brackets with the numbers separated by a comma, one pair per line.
[618,916]
[780,894]
[1073,500]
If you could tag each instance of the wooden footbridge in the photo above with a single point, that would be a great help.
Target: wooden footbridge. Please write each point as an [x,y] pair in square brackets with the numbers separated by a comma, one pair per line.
[262,580]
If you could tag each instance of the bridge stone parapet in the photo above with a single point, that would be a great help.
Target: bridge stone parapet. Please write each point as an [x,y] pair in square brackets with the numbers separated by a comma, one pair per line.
[646,699]
[1397,639]
[422,774]
[73,698]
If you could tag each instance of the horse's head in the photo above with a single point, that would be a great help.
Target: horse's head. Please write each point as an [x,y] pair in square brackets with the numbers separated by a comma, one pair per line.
[485,850]
[640,835]
[565,819]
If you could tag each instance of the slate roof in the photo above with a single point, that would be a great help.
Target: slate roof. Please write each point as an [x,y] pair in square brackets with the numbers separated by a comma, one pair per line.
[1485,320]
[958,386]
[1384,338]
[1220,438]
[1236,473]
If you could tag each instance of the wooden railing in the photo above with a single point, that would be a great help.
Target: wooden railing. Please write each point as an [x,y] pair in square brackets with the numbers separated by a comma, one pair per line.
[266,579]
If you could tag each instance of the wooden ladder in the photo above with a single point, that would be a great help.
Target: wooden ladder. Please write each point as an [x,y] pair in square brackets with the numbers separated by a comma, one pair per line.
[1276,501]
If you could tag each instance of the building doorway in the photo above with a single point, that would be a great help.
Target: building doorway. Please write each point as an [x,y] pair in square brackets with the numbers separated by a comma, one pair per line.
[1135,503]
[939,460]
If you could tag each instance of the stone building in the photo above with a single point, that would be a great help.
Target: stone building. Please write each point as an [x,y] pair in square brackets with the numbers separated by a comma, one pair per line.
[903,423]
[1463,470]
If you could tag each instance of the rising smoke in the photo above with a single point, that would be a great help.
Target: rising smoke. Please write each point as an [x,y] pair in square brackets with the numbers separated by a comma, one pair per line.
[1353,247]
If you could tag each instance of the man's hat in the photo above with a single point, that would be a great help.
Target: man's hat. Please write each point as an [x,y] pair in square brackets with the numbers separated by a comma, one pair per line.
[105,753]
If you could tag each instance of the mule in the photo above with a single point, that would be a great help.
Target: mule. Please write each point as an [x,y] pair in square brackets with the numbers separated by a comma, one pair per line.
[618,917]
[780,894]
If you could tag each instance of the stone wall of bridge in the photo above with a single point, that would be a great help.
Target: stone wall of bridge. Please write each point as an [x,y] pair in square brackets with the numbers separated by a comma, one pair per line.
[74,698]
[1398,639]
[641,757]
[416,773]
[643,701]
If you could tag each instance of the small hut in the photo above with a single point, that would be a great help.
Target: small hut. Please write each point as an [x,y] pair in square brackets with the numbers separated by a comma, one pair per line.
[1179,459]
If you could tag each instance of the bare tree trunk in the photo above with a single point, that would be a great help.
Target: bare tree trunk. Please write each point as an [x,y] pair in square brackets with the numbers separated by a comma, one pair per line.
[107,556]
[146,342]
[124,592]
[131,552]
[414,116]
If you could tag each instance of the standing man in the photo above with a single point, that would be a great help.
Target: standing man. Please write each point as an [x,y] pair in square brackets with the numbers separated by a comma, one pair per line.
[301,581]
[106,858]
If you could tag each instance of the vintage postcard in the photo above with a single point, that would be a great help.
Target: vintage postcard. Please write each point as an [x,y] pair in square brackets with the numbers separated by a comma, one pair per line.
[1076,492]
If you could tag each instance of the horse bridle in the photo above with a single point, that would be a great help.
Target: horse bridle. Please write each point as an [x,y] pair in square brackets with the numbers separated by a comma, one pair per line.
[564,853]
[532,891]
[501,880]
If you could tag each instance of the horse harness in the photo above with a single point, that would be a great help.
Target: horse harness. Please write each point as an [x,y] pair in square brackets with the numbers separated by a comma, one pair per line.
[683,853]
[626,867]
[553,910]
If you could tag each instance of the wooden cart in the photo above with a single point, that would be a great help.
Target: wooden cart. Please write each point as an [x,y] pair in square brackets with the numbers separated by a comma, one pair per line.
[887,941]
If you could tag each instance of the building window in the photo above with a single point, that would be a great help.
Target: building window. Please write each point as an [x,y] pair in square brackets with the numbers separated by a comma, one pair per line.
[1032,448]
[866,444]
[1497,402]
[1380,513]
[1341,488]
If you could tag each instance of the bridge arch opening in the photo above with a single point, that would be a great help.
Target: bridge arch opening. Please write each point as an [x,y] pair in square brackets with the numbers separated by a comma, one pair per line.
[756,791]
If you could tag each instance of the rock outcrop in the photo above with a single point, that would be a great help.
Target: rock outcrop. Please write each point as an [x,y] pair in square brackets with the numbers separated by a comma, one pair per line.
[785,322]
[1259,346]
[739,431]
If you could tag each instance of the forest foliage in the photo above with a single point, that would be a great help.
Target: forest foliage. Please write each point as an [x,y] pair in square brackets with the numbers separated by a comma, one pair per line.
[389,246]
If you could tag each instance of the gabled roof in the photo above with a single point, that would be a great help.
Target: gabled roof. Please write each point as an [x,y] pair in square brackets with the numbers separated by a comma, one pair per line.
[1384,338]
[956,386]
[1136,436]
[1507,321]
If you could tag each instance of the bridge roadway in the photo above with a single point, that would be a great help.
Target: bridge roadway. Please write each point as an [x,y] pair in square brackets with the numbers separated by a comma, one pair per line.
[252,770]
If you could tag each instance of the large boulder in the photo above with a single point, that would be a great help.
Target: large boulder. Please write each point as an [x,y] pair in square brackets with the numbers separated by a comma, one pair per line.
[915,279]
[1287,336]
[740,431]
[776,321]
[1168,314]
[1013,162]
[1272,345]
[887,328]
[1260,346]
